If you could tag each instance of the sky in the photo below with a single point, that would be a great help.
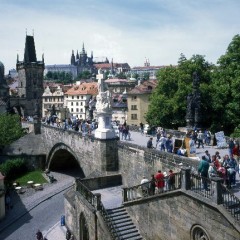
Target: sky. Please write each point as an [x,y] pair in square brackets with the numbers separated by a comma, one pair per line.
[123,30]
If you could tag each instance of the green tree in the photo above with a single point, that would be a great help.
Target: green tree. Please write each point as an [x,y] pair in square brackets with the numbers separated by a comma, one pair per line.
[169,100]
[226,89]
[121,75]
[49,75]
[84,75]
[10,129]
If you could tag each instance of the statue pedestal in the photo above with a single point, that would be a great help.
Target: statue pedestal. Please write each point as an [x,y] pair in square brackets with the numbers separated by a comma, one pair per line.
[104,130]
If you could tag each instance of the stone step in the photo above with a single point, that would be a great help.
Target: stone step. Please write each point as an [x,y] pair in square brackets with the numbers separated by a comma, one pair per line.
[117,214]
[126,227]
[129,231]
[117,217]
[123,220]
[115,210]
[136,238]
[130,236]
[124,224]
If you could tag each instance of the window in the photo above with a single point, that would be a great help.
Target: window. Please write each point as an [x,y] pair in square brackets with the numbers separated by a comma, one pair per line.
[81,97]
[134,116]
[71,103]
[81,109]
[81,103]
[134,107]
[77,97]
[72,97]
[76,109]
[76,103]
[134,98]
[71,109]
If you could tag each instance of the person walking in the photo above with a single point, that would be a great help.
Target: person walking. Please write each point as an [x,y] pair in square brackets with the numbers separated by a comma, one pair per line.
[200,137]
[203,171]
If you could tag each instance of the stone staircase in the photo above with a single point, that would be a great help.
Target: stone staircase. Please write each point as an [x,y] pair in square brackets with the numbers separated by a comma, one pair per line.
[123,225]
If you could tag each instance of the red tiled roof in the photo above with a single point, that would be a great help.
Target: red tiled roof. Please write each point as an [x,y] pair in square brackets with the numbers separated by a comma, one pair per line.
[114,80]
[109,65]
[145,87]
[84,89]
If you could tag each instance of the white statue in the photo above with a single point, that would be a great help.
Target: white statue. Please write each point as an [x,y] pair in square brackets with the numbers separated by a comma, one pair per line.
[103,98]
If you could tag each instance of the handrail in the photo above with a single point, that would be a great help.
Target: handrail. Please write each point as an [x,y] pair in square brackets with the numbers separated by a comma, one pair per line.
[141,191]
[197,185]
[96,202]
[108,221]
[86,193]
[231,202]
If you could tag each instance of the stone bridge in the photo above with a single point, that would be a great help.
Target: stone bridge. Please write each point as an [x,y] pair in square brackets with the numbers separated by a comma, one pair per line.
[58,149]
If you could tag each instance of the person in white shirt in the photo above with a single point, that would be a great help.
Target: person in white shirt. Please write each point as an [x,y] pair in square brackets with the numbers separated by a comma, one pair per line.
[145,186]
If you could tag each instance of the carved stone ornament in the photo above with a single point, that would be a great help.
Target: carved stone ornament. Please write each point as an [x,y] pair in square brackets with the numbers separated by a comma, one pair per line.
[199,233]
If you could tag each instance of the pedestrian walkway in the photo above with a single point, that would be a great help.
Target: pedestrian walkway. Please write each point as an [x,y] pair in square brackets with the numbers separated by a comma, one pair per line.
[30,199]
[57,232]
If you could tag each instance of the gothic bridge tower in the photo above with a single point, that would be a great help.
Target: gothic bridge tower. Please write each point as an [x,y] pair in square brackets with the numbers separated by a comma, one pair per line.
[30,73]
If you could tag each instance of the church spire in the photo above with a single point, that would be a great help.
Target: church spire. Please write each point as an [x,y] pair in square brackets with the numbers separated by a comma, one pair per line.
[72,58]
[83,49]
[30,52]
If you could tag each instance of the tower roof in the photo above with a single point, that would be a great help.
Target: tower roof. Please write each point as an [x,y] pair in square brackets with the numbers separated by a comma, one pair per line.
[30,52]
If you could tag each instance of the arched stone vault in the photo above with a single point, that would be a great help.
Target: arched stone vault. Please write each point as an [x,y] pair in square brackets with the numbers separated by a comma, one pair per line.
[61,158]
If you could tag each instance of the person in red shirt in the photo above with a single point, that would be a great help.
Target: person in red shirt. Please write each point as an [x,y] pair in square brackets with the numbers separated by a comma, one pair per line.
[160,181]
[236,152]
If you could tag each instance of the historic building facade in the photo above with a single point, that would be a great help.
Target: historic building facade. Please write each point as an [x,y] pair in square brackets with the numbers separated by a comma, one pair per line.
[27,98]
[78,97]
[138,102]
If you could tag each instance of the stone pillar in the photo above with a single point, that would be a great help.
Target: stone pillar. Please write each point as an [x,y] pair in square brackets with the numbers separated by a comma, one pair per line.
[124,192]
[186,178]
[107,154]
[218,191]
[98,201]
[37,125]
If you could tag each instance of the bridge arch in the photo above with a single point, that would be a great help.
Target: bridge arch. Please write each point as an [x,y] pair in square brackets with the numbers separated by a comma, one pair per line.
[62,158]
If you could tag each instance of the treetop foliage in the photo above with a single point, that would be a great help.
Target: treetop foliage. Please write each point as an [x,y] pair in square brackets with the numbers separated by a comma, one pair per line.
[219,87]
[10,129]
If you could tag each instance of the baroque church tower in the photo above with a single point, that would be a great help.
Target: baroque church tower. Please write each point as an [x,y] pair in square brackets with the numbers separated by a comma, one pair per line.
[30,73]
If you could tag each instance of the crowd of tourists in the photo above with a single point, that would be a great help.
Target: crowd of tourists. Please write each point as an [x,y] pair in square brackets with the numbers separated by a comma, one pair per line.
[164,142]
[226,167]
[74,123]
[158,183]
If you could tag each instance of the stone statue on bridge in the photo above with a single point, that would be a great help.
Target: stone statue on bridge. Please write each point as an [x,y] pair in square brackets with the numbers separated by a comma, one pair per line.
[104,111]
[194,114]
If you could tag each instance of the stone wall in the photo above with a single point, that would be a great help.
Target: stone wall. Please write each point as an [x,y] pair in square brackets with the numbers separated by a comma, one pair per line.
[172,216]
[92,155]
[137,161]
[76,207]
